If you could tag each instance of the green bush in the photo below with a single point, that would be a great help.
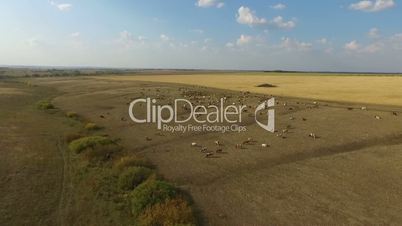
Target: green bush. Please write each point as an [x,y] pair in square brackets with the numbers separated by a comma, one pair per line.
[172,212]
[101,152]
[92,126]
[72,114]
[132,160]
[45,105]
[132,177]
[71,137]
[88,142]
[150,193]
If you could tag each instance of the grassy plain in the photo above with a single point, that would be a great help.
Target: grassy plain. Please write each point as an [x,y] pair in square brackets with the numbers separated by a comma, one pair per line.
[56,171]
[350,174]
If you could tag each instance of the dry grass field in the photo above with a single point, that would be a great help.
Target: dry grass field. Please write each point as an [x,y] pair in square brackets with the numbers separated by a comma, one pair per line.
[350,174]
[383,90]
[10,91]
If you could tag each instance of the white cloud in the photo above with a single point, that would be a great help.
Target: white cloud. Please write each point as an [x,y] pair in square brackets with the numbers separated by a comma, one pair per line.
[291,44]
[184,45]
[210,3]
[61,6]
[362,5]
[279,6]
[379,43]
[280,23]
[75,35]
[329,50]
[397,37]
[164,38]
[229,45]
[157,20]
[326,45]
[352,46]
[34,42]
[142,38]
[372,5]
[323,41]
[128,40]
[244,40]
[396,41]
[248,17]
[64,7]
[198,31]
[373,47]
[220,5]
[125,35]
[374,33]
[76,42]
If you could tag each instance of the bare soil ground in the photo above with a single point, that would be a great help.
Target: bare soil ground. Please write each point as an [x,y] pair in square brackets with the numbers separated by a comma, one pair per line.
[350,174]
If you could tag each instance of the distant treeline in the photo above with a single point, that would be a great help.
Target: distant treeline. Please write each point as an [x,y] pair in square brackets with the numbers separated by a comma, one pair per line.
[67,72]
[333,72]
[36,73]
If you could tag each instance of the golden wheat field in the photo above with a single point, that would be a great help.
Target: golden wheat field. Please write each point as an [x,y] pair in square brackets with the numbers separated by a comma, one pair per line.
[383,90]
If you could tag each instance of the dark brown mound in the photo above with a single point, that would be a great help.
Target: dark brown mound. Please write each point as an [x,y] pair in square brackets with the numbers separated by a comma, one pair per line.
[266,85]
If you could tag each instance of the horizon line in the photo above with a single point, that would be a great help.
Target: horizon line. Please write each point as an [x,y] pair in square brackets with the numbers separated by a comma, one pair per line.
[191,69]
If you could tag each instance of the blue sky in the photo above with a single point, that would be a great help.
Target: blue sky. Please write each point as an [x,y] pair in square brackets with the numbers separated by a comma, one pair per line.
[337,35]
